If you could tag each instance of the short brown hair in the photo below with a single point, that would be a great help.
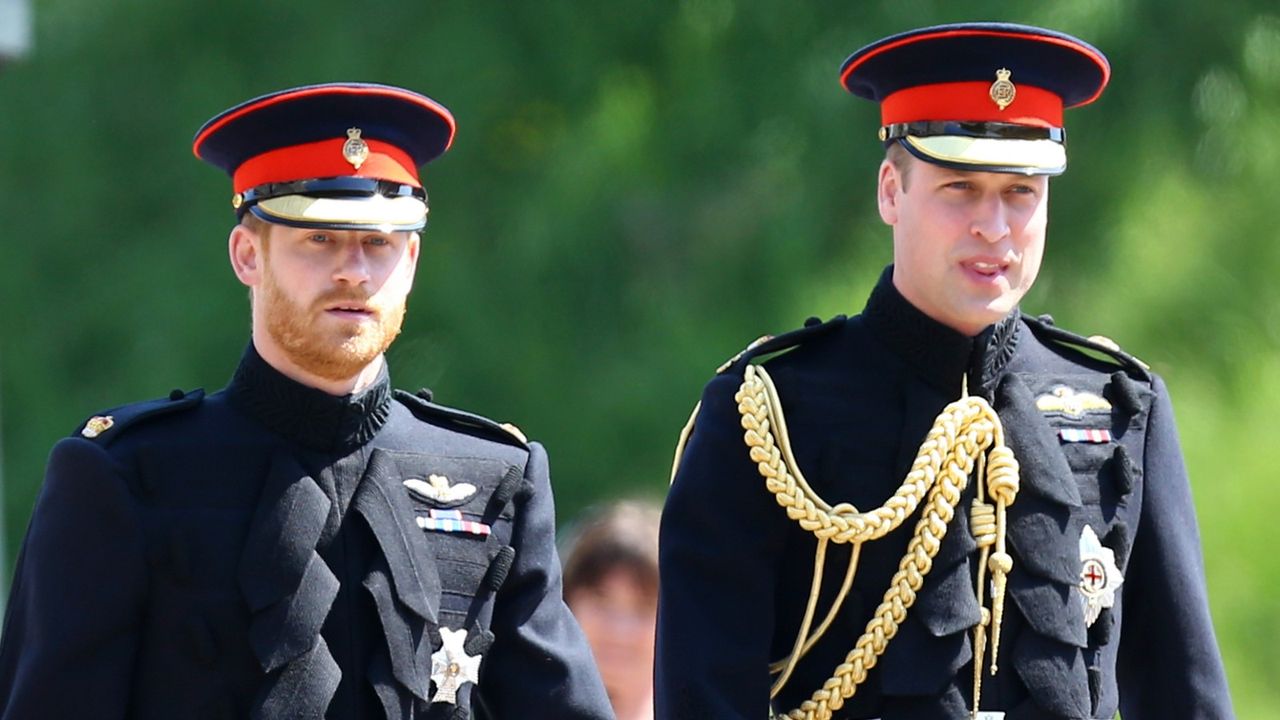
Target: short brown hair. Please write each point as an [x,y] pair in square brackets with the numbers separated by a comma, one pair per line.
[257,225]
[620,536]
[900,159]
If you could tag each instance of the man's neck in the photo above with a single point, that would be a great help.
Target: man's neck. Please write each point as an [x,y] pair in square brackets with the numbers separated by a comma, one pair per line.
[632,705]
[276,357]
[968,327]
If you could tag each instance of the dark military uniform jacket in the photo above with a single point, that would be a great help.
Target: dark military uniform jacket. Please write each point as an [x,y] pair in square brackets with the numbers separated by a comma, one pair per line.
[859,396]
[258,553]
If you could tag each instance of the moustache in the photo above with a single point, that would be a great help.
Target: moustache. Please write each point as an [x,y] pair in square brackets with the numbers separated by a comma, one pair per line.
[344,297]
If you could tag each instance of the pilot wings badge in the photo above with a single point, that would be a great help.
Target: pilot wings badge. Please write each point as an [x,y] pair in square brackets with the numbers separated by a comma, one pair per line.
[438,491]
[1063,400]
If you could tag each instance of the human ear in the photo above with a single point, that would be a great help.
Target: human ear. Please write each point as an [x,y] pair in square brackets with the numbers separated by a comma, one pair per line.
[245,249]
[887,186]
[412,248]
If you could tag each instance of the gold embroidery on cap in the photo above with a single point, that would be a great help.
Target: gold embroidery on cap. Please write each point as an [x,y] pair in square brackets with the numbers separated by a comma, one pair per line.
[1002,90]
[355,150]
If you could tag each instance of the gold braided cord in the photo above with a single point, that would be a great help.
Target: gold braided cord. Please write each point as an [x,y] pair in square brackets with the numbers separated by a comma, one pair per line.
[961,435]
[759,406]
[1002,482]
[812,640]
[819,559]
[683,440]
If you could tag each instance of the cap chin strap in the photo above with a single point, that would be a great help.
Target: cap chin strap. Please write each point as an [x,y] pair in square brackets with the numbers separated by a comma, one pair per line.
[993,130]
[326,187]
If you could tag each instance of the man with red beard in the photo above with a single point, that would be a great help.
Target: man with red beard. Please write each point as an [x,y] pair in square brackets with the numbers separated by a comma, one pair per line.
[306,542]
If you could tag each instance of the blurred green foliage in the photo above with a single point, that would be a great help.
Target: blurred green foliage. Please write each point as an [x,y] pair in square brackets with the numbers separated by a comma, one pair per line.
[636,191]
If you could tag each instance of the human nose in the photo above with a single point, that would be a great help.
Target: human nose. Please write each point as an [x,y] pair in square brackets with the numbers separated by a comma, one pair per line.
[991,220]
[353,266]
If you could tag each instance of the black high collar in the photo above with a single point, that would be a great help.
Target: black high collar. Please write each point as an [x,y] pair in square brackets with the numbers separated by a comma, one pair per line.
[305,415]
[939,354]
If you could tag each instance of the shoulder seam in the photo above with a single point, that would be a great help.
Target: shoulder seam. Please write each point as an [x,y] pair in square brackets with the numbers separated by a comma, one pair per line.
[771,344]
[1095,343]
[504,432]
[104,428]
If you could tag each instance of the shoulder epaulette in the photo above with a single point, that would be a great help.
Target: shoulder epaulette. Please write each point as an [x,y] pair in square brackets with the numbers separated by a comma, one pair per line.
[770,344]
[1099,344]
[108,426]
[471,423]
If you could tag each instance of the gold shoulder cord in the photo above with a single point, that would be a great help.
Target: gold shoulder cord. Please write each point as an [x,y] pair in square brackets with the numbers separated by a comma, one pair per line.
[963,435]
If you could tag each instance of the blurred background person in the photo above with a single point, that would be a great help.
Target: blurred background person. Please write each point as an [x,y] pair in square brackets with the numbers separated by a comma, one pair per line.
[611,585]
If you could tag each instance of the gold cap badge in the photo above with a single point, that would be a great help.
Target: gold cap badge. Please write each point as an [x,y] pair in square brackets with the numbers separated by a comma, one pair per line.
[1002,90]
[355,150]
[97,425]
[237,200]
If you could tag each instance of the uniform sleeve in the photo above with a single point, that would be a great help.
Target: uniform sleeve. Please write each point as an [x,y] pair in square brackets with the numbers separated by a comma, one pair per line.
[540,665]
[719,542]
[71,627]
[1169,664]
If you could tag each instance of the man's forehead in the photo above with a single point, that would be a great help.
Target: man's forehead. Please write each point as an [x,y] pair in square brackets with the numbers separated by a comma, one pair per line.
[278,230]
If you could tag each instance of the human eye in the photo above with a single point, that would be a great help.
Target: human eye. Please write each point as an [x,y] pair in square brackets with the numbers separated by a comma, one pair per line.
[319,238]
[377,240]
[1023,191]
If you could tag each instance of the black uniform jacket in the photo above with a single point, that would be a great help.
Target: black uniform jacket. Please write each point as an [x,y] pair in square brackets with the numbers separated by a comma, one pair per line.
[257,553]
[859,396]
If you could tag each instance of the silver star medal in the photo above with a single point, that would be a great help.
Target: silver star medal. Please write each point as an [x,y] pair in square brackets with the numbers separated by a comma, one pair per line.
[1099,575]
[451,666]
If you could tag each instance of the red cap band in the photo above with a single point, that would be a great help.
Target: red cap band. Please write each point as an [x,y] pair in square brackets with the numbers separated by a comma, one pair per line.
[324,159]
[971,102]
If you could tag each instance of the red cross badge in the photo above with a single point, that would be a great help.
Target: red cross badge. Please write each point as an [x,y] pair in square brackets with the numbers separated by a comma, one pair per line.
[1099,575]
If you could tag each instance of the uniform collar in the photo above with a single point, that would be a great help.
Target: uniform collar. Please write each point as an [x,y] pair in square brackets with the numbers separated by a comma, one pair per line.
[309,417]
[939,354]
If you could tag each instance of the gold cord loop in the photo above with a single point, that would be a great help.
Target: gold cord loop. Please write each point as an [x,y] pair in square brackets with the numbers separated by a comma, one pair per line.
[964,434]
[982,523]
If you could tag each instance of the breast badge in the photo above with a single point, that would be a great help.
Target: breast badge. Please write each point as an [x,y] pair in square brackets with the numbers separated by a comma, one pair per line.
[1063,400]
[451,666]
[1099,575]
[437,490]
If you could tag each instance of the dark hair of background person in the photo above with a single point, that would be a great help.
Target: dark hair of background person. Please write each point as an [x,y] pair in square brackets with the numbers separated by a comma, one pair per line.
[611,586]
[621,535]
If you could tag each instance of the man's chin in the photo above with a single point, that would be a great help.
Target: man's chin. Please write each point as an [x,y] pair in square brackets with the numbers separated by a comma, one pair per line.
[338,366]
[339,358]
